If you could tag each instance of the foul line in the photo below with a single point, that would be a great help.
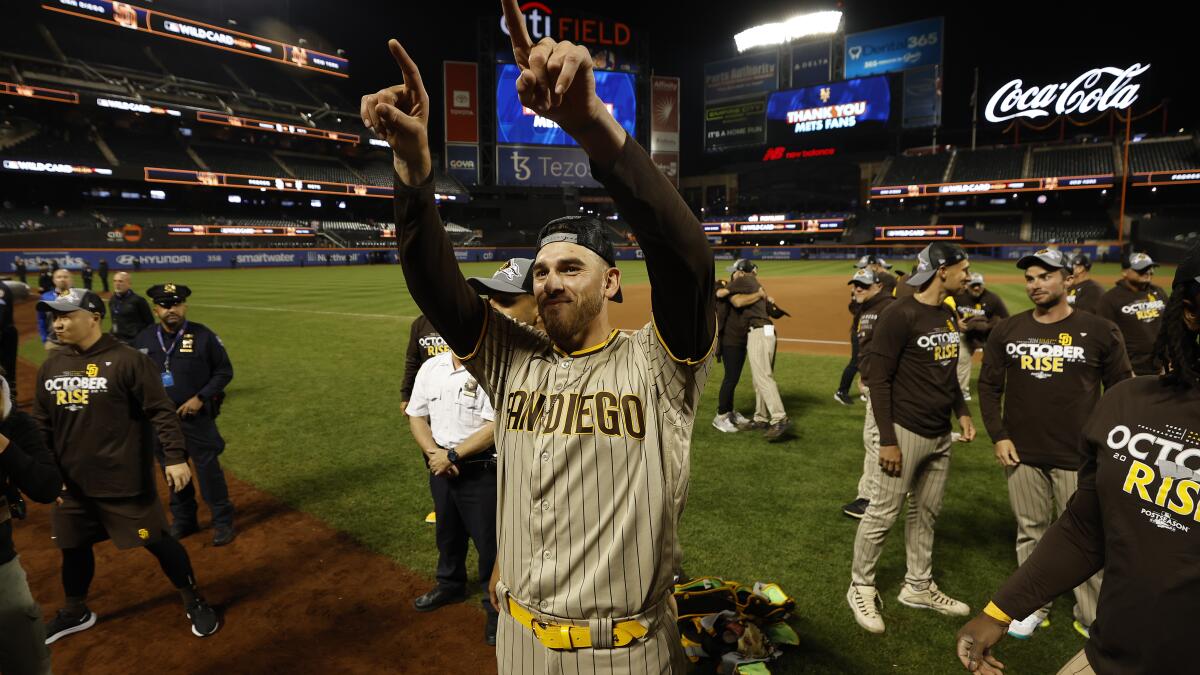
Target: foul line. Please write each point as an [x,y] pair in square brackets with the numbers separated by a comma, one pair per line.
[404,316]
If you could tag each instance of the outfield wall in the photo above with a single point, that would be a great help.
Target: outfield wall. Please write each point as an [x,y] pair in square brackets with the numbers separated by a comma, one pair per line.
[119,259]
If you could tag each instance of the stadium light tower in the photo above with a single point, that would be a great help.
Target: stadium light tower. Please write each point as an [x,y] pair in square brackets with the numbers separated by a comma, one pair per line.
[800,26]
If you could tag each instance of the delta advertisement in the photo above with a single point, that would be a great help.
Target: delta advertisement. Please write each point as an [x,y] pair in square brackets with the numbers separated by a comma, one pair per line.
[895,48]
[837,114]
[519,125]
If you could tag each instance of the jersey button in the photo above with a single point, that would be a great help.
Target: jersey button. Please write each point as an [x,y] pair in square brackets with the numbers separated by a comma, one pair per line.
[545,506]
[544,604]
[547,555]
[545,457]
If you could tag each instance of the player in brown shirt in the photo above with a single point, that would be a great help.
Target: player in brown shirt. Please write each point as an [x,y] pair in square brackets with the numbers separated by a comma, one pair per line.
[1134,516]
[910,369]
[870,299]
[1085,292]
[979,311]
[1136,305]
[1047,364]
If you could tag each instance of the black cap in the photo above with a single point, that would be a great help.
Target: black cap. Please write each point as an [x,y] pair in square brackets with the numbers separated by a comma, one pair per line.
[510,278]
[741,265]
[932,258]
[1188,271]
[168,295]
[1050,258]
[1138,262]
[73,300]
[1082,260]
[584,231]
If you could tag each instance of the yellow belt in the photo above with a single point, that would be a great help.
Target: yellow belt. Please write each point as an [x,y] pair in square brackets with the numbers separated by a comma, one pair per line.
[567,637]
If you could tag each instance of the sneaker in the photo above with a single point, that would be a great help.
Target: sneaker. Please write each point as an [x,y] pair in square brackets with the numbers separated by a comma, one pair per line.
[64,623]
[967,397]
[1085,631]
[866,603]
[1023,629]
[862,397]
[857,508]
[932,598]
[776,431]
[489,630]
[723,424]
[739,419]
[843,398]
[753,425]
[205,620]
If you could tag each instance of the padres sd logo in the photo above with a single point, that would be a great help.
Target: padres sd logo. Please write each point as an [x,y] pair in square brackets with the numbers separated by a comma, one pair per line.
[143,534]
[1064,339]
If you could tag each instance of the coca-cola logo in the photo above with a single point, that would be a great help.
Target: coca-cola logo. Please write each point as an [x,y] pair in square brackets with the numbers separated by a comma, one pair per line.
[1096,90]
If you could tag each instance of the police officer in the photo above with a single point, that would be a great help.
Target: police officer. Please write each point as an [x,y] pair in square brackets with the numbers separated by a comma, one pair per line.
[130,311]
[88,274]
[195,371]
[102,269]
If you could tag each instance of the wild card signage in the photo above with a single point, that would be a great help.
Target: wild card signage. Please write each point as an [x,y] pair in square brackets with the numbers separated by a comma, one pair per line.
[1094,91]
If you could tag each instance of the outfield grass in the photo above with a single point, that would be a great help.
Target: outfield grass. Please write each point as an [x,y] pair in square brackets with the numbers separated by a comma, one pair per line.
[312,418]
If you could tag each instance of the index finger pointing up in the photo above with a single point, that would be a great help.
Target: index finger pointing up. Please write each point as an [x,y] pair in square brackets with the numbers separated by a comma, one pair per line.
[517,32]
[412,75]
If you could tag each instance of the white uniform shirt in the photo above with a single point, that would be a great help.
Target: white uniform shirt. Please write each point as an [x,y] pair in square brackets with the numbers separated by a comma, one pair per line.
[452,399]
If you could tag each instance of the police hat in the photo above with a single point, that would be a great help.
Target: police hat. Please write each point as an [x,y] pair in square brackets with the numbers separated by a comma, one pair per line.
[72,301]
[168,295]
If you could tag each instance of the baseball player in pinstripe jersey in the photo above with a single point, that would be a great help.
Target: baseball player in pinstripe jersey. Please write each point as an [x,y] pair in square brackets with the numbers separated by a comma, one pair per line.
[1048,364]
[910,367]
[593,426]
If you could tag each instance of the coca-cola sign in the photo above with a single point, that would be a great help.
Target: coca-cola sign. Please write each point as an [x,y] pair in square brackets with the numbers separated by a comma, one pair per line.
[1096,90]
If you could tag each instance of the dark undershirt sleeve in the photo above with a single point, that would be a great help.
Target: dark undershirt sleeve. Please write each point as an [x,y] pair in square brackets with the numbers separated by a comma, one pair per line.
[412,361]
[880,361]
[431,270]
[991,386]
[1116,360]
[678,259]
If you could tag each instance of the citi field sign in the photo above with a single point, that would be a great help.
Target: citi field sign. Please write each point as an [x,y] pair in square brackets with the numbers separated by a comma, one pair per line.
[1096,90]
[542,22]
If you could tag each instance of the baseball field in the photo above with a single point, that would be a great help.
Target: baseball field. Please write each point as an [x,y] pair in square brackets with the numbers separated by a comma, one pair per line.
[332,496]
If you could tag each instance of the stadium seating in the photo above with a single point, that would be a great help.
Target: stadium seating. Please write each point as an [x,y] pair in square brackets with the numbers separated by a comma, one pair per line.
[987,164]
[162,149]
[915,169]
[320,168]
[1176,154]
[1084,160]
[242,159]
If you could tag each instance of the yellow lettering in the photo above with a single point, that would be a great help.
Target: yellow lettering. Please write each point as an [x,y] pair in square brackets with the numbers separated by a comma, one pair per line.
[60,397]
[1139,476]
[1026,362]
[1163,491]
[1185,492]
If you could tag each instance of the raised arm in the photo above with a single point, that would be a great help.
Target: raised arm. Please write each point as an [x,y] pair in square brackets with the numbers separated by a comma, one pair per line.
[557,83]
[400,115]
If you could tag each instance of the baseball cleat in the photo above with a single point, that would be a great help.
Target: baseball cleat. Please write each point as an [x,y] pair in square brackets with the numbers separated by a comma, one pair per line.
[865,603]
[739,419]
[723,424]
[932,598]
[1023,629]
[64,623]
[843,398]
[857,508]
[1085,631]
[205,620]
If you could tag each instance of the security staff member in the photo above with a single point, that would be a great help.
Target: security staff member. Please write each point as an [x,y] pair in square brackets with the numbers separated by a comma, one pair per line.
[195,371]
[130,311]
[453,421]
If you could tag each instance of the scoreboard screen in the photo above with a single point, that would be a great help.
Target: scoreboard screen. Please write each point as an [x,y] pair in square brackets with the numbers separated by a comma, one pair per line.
[516,124]
[178,229]
[848,114]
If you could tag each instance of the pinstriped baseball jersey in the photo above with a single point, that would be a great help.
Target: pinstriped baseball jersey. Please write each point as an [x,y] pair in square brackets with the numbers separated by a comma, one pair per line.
[593,451]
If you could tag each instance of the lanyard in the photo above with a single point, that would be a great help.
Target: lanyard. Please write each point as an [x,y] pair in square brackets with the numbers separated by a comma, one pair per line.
[167,350]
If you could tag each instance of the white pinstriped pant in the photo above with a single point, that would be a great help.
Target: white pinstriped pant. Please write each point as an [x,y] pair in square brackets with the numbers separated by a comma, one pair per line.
[924,467]
[1039,496]
[869,481]
[1078,665]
